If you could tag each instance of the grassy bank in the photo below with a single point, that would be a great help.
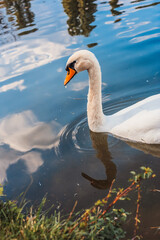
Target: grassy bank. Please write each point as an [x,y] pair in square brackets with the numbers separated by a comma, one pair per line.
[101,221]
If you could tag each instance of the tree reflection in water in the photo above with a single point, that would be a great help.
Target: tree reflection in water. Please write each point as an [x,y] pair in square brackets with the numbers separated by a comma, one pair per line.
[18,16]
[114,5]
[21,9]
[81,15]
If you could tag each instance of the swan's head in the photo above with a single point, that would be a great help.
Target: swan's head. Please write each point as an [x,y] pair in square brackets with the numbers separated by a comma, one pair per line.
[78,62]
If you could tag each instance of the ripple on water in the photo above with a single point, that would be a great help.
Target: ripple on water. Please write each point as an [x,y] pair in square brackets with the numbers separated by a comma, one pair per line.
[76,135]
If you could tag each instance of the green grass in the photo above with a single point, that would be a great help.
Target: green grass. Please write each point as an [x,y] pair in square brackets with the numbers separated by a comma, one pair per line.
[101,221]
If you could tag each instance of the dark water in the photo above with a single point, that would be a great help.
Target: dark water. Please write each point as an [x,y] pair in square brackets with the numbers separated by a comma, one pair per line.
[45,143]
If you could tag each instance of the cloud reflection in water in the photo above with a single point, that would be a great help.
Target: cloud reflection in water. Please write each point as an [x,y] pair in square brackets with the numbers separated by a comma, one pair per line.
[22,56]
[22,132]
[17,85]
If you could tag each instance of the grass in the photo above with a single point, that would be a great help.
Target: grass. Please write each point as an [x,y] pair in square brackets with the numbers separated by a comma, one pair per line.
[101,221]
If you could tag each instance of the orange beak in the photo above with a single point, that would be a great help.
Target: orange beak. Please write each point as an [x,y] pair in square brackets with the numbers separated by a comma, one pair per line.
[70,75]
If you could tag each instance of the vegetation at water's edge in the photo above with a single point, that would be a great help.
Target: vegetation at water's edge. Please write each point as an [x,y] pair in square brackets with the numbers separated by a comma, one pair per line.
[101,221]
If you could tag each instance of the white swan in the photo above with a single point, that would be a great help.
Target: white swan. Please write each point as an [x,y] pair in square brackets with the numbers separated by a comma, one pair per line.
[138,123]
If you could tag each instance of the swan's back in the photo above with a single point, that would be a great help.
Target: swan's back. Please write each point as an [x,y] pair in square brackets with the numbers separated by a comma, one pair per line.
[139,122]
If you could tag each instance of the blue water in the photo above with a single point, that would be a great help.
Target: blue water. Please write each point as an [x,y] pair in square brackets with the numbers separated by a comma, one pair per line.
[45,144]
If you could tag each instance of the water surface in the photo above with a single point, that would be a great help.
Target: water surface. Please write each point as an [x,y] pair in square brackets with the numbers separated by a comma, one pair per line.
[45,144]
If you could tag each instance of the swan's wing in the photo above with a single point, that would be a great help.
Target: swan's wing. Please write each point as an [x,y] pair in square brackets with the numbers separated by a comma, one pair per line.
[139,122]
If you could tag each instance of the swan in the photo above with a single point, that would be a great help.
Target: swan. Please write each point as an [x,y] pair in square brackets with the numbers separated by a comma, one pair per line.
[139,122]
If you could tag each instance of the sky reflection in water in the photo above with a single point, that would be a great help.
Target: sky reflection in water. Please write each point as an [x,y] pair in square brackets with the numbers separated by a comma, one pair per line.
[45,142]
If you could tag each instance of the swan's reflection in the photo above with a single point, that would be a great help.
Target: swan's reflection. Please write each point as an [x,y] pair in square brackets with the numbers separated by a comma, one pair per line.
[100,144]
[152,149]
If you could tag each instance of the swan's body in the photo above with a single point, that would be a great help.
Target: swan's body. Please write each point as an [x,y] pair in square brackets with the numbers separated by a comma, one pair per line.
[138,123]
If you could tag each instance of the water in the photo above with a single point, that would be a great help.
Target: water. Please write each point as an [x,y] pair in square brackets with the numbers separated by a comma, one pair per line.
[45,143]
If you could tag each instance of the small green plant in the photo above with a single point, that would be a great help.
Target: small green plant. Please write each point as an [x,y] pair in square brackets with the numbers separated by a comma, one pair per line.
[145,174]
[101,221]
[1,191]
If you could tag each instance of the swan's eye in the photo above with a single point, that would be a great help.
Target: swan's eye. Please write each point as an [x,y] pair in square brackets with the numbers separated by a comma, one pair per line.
[70,65]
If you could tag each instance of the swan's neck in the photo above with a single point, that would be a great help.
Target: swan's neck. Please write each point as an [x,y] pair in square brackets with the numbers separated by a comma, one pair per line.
[94,106]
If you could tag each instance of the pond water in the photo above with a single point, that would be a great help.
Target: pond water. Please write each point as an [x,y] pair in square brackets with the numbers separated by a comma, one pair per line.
[45,143]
